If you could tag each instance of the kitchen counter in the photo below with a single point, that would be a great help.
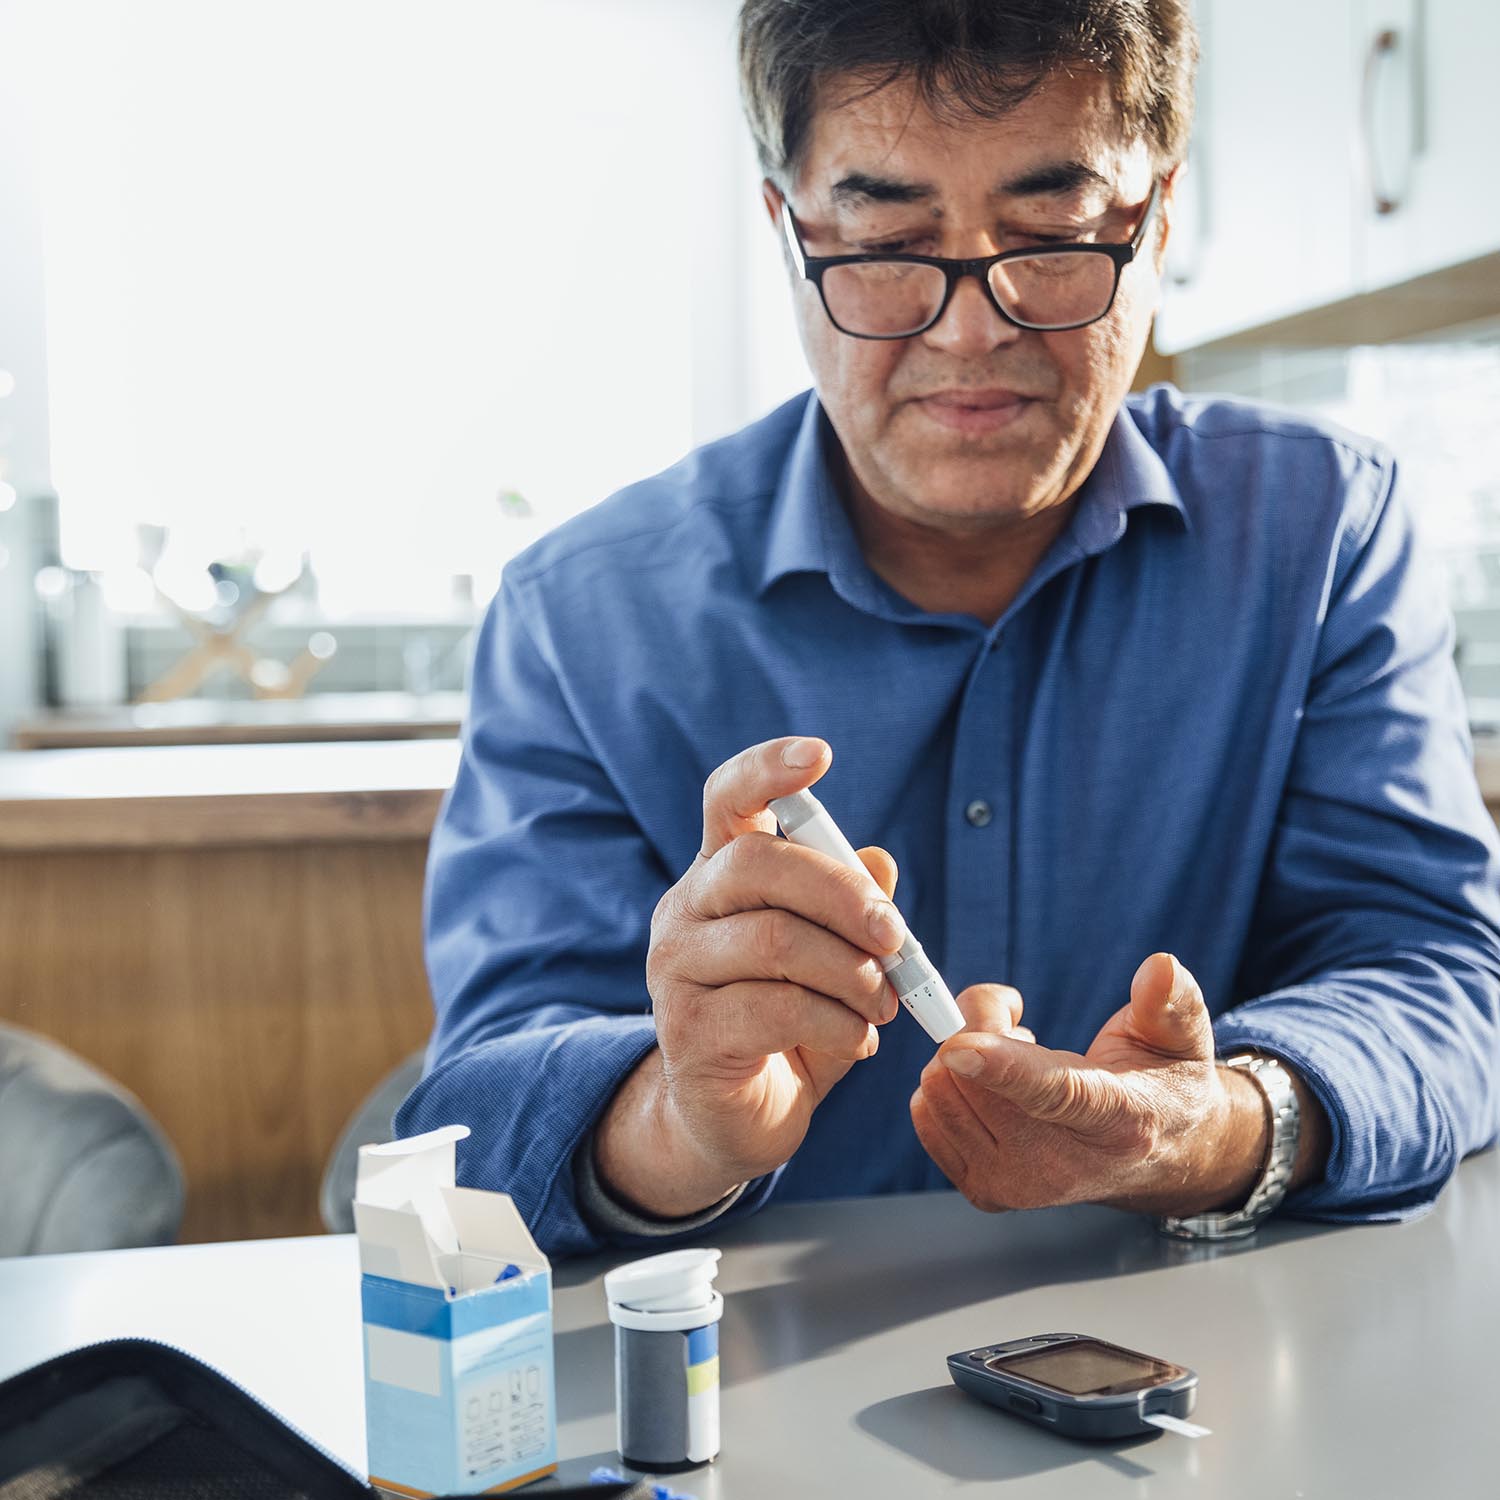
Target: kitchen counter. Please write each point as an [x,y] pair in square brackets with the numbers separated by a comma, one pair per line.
[222,795]
[206,721]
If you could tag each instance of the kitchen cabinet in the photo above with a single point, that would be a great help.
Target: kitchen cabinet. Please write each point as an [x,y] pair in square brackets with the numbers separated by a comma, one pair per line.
[1264,223]
[1339,148]
[1433,68]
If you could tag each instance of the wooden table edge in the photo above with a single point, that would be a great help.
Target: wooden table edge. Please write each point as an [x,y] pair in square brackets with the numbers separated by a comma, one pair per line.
[53,824]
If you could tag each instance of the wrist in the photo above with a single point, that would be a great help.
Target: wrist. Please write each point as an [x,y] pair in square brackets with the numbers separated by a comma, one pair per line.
[647,1158]
[1284,1126]
[1222,1159]
[1236,1150]
[1244,1141]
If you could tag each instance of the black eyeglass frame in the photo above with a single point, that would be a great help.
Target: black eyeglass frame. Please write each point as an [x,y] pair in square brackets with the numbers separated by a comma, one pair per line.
[812,267]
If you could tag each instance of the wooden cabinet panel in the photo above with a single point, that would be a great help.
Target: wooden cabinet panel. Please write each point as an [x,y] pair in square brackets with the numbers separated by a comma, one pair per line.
[249,996]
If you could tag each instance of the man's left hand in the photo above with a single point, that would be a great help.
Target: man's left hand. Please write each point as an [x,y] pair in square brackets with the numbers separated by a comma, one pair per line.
[1145,1120]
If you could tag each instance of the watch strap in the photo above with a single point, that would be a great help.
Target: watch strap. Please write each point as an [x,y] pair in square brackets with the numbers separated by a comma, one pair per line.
[1285,1118]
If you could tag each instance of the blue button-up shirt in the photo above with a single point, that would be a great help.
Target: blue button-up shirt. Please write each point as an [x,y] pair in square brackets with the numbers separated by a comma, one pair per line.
[1221,718]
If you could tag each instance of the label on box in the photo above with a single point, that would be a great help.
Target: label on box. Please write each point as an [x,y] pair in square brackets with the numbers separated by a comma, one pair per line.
[502,1379]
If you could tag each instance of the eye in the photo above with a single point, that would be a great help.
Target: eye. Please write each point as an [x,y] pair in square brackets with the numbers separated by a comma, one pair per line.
[886,247]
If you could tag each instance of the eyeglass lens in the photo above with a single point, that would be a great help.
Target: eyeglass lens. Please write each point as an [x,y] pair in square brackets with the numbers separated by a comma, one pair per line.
[892,298]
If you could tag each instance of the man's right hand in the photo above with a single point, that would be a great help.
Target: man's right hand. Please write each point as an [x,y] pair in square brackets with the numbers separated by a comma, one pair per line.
[766,988]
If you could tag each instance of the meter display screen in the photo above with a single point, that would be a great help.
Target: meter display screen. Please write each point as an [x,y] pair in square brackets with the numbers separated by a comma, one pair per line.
[1088,1367]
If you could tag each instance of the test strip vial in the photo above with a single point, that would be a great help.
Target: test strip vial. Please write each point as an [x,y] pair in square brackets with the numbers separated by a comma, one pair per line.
[666,1315]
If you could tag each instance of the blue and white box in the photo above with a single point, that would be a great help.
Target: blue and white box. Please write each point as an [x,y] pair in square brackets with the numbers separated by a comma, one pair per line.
[457,1301]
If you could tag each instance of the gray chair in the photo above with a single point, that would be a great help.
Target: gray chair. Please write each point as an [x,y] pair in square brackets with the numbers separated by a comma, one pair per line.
[82,1165]
[369,1124]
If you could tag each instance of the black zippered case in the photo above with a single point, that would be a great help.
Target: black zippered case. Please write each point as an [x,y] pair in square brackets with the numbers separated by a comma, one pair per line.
[136,1420]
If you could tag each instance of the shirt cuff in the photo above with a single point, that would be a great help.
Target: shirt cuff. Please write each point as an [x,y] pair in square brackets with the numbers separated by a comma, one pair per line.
[609,1218]
[1364,1180]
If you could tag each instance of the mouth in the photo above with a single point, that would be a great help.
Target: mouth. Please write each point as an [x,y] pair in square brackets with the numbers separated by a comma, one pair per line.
[974,412]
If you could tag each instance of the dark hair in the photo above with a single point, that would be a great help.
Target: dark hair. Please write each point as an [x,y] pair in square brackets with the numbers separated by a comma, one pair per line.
[967,58]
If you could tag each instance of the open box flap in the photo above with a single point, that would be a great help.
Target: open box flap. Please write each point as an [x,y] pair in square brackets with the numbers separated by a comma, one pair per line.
[491,1224]
[400,1212]
[393,1244]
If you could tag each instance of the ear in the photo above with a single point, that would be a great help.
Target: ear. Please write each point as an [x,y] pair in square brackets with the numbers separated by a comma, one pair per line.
[771,197]
[1165,211]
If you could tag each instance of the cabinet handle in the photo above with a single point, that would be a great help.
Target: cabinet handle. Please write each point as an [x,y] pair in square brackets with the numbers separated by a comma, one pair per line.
[1385,199]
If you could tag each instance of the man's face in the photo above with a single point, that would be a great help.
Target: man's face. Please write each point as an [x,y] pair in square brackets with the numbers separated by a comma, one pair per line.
[975,422]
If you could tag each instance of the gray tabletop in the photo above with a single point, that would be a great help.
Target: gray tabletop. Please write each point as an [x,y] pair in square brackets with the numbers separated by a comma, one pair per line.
[1333,1361]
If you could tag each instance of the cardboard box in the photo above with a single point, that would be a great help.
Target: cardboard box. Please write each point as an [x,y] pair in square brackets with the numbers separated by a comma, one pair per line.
[457,1302]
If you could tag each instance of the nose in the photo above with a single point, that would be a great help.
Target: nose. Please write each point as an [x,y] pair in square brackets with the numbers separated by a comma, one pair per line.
[970,325]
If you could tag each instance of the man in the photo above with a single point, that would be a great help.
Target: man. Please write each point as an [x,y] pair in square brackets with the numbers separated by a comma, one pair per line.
[1147,699]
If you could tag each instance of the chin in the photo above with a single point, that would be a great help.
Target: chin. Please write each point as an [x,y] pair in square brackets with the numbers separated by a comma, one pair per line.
[935,501]
[976,485]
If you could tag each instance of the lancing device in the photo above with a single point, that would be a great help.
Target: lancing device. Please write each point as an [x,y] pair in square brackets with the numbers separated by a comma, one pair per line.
[918,986]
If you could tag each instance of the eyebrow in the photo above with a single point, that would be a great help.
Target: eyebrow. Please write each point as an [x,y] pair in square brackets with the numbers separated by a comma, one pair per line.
[1056,178]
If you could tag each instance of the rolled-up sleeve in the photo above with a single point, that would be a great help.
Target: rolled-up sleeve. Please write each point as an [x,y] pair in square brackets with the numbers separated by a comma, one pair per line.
[1373,959]
[540,889]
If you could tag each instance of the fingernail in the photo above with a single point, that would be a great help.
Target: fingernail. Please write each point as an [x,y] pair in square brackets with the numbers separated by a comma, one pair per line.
[801,754]
[1177,973]
[963,1061]
[886,926]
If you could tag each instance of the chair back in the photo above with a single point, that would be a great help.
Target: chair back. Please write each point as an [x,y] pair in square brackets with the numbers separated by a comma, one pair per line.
[83,1166]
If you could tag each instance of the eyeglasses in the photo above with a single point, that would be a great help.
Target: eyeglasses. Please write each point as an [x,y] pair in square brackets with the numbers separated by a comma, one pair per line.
[1043,287]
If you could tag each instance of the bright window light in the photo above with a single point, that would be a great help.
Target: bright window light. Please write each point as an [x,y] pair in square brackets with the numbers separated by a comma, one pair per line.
[337,276]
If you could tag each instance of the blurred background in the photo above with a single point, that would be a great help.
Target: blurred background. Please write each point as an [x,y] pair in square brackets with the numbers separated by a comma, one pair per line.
[313,314]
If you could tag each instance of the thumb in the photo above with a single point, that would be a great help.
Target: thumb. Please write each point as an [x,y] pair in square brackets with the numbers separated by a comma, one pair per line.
[882,868]
[1168,1012]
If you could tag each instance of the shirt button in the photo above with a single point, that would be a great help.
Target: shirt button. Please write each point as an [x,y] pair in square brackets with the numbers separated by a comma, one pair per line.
[979,813]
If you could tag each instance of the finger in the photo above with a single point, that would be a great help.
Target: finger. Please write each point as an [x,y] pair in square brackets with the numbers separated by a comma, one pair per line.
[755,1019]
[772,943]
[935,1139]
[882,868]
[953,1137]
[1058,1088]
[1168,1012]
[736,794]
[823,1071]
[990,1007]
[962,1120]
[757,871]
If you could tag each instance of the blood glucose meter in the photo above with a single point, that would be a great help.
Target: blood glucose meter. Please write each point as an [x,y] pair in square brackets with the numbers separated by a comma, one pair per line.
[1079,1386]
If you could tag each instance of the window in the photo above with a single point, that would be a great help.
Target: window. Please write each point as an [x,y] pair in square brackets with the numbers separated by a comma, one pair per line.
[332,276]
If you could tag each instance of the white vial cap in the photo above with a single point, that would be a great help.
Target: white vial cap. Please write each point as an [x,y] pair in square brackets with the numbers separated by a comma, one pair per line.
[679,1281]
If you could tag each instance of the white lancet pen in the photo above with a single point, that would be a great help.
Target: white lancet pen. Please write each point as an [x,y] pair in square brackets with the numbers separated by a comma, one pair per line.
[919,986]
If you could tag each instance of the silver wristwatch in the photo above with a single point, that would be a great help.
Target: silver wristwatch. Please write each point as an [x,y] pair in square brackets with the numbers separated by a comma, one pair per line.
[1286,1126]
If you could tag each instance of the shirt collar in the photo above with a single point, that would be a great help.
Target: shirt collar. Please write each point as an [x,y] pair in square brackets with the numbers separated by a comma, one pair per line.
[1130,473]
[805,502]
[810,532]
